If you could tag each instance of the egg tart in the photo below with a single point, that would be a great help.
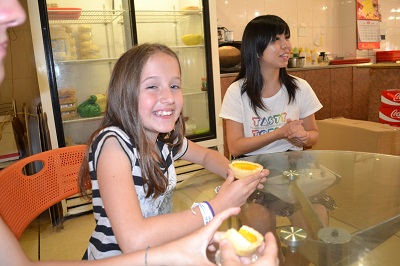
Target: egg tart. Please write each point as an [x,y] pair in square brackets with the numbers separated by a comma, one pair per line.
[242,169]
[245,241]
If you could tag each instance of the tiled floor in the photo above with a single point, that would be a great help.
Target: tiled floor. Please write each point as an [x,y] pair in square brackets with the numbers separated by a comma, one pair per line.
[70,242]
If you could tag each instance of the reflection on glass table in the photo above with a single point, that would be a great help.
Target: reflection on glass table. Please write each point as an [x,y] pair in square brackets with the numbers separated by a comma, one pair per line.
[365,188]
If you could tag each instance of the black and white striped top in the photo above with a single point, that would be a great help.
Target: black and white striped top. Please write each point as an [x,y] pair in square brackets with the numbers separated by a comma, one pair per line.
[102,243]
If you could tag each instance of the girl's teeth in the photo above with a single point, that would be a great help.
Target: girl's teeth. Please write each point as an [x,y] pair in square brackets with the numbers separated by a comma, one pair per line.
[162,113]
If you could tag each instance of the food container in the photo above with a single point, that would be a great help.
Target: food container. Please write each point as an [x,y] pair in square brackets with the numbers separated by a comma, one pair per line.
[296,62]
[229,56]
[387,56]
[331,56]
[56,13]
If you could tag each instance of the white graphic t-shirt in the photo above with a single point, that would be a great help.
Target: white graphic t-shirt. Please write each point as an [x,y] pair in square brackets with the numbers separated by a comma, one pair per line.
[236,107]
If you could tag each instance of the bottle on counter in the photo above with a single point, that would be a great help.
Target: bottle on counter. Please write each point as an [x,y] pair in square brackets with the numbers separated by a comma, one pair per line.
[308,57]
[314,57]
[323,59]
[295,52]
[302,54]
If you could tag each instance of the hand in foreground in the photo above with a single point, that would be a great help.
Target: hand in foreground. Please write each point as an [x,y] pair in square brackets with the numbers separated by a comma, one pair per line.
[268,253]
[191,249]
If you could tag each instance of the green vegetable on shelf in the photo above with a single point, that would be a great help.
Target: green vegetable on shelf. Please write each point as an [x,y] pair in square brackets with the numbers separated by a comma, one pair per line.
[89,108]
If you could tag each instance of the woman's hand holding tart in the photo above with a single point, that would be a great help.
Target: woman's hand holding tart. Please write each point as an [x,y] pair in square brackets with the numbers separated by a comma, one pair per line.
[245,241]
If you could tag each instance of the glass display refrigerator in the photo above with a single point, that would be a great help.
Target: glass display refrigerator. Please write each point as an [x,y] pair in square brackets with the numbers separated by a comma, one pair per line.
[76,44]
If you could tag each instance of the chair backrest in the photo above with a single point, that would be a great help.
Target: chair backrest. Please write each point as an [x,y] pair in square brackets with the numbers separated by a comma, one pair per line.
[24,197]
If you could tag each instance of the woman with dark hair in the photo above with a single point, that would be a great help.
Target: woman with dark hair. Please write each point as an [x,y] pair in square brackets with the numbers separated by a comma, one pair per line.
[268,110]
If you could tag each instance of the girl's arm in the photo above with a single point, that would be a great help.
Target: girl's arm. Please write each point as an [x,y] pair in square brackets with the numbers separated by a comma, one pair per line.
[232,193]
[184,251]
[212,160]
[188,250]
[134,232]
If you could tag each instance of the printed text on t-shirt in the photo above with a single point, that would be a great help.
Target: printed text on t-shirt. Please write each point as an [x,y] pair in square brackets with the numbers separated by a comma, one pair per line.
[264,125]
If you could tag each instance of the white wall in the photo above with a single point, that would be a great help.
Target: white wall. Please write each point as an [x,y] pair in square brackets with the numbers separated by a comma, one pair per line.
[329,25]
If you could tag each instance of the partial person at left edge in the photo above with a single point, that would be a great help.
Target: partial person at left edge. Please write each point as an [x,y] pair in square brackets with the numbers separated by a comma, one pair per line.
[12,15]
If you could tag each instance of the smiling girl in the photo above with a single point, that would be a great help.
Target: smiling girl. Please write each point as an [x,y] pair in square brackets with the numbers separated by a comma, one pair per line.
[131,157]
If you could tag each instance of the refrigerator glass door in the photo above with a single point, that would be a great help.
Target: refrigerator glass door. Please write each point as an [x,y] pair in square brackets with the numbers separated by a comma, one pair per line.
[181,25]
[87,38]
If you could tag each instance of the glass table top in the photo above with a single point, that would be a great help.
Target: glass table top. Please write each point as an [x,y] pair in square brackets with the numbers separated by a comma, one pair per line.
[364,186]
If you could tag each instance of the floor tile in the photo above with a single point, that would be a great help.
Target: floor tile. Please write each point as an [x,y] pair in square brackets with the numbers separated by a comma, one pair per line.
[68,243]
[29,242]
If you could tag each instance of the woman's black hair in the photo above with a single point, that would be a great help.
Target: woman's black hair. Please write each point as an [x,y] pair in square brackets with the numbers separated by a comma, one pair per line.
[258,34]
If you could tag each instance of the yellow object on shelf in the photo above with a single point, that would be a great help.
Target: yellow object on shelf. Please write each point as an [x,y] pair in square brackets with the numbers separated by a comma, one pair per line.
[101,101]
[192,39]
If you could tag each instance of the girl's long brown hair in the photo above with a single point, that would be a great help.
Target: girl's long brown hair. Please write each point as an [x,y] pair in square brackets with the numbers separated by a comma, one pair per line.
[122,111]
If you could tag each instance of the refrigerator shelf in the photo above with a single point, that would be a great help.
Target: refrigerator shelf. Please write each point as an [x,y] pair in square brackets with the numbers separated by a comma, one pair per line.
[155,16]
[113,60]
[86,16]
[196,91]
[80,120]
[85,61]
[177,48]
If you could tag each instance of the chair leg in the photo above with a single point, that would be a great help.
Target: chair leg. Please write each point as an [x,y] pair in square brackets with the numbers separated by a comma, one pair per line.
[38,219]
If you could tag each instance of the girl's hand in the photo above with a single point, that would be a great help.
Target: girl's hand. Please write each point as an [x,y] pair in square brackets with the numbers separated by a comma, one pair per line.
[234,193]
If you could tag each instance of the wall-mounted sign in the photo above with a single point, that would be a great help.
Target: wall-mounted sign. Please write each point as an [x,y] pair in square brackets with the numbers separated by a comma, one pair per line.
[368,29]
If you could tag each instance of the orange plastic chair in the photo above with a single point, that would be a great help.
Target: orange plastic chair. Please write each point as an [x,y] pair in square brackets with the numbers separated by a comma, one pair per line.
[25,197]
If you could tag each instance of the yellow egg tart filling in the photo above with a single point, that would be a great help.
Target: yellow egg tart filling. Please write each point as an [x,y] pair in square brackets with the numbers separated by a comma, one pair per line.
[242,169]
[245,241]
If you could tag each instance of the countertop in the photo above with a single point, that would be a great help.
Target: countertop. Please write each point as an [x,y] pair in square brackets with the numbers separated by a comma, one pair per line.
[365,65]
